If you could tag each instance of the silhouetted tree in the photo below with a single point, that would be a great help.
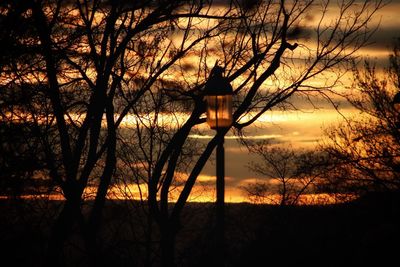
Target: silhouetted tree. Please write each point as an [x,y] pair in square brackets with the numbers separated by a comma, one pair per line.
[258,50]
[365,150]
[88,60]
[287,173]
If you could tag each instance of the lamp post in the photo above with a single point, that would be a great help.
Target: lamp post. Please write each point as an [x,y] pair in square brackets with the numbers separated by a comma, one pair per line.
[218,94]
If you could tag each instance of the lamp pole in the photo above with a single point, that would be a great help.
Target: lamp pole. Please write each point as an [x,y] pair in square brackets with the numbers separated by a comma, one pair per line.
[220,184]
[219,117]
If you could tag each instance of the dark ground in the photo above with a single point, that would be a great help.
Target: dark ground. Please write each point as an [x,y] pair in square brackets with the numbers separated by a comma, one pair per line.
[365,232]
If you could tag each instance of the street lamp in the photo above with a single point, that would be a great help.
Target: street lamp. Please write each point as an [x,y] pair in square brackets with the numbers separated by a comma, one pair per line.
[218,94]
[219,100]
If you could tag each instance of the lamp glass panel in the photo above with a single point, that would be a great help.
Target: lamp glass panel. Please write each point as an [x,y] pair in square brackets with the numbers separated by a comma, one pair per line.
[219,111]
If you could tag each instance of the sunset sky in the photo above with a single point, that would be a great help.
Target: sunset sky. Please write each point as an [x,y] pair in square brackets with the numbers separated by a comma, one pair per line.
[303,128]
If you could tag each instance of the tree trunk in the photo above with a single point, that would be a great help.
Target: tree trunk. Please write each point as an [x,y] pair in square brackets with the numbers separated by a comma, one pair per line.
[149,239]
[167,246]
[60,232]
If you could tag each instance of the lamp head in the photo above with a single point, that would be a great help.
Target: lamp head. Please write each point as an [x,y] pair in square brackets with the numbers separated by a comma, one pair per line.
[217,84]
[218,92]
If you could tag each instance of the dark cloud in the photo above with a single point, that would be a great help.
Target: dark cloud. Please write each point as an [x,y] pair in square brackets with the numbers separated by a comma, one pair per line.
[384,37]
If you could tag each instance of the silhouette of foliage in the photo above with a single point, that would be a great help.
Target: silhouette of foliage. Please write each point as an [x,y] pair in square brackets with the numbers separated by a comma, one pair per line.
[287,173]
[365,151]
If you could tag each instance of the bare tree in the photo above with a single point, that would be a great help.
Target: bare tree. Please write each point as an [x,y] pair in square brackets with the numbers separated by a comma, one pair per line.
[365,149]
[89,61]
[287,173]
[260,50]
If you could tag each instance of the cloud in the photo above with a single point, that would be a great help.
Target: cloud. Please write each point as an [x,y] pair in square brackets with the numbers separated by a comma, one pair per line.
[234,137]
